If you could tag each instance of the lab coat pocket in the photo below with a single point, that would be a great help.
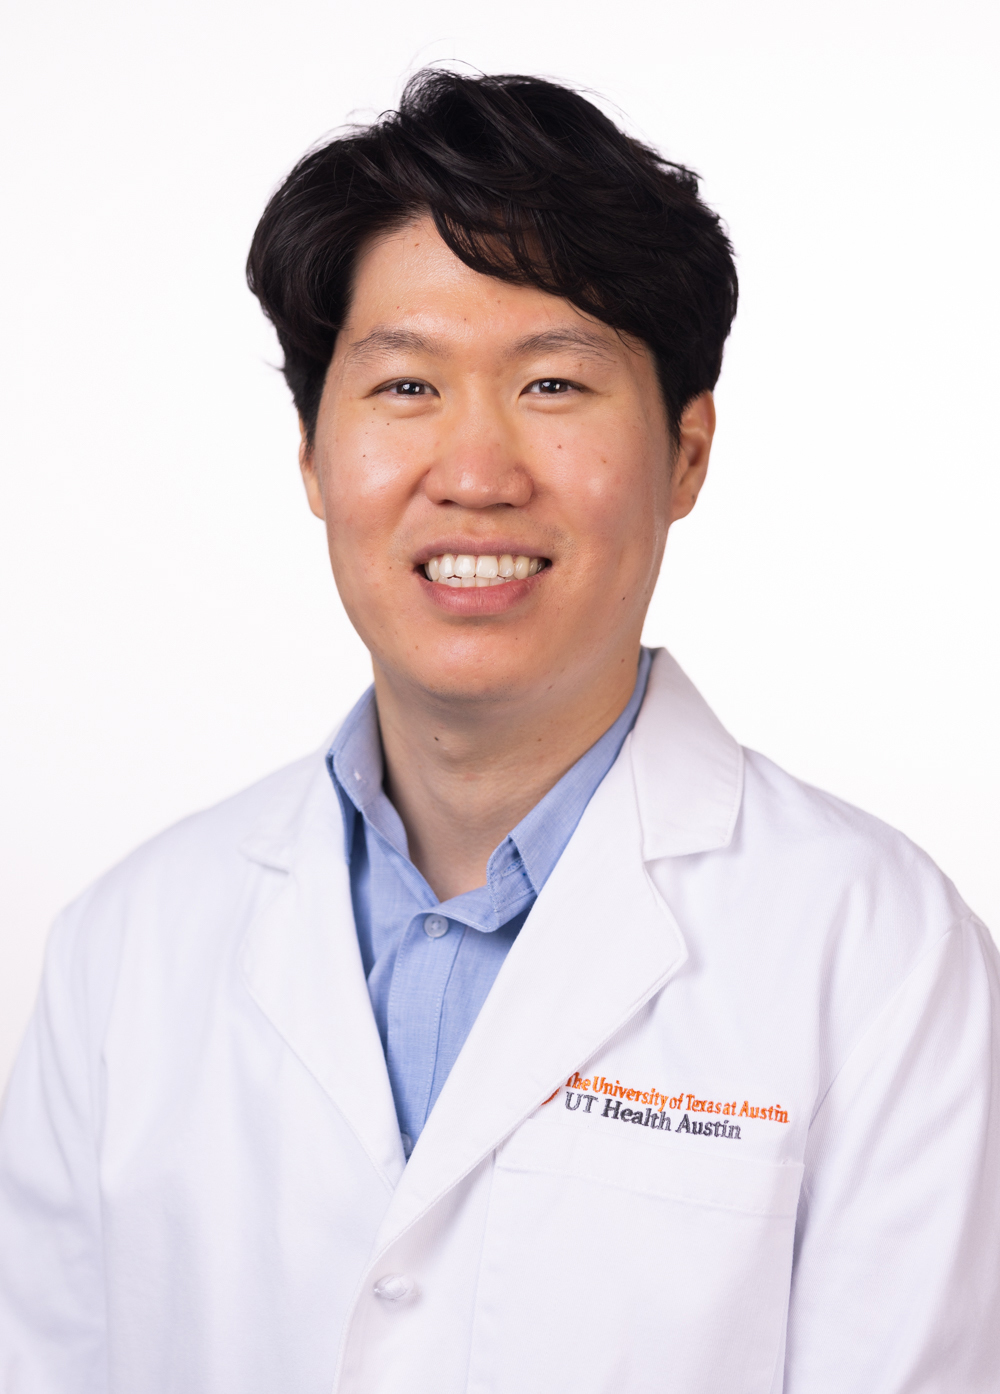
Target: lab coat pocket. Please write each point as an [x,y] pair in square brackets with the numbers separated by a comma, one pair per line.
[618,1261]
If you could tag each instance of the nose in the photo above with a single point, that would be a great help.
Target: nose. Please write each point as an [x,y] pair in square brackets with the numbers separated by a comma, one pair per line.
[478,465]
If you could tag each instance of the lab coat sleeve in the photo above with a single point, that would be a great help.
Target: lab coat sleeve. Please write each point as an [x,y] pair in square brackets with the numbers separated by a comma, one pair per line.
[52,1300]
[896,1280]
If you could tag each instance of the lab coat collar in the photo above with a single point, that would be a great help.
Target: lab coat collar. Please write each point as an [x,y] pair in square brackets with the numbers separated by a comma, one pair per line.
[593,952]
[688,769]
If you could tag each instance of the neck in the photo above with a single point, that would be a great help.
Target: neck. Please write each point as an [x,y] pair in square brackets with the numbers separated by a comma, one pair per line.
[462,774]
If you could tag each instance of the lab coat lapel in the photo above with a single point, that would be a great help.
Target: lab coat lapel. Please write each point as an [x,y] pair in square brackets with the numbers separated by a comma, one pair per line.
[597,945]
[303,967]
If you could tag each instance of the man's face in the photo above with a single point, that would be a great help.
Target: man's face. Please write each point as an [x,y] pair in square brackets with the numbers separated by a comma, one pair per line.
[464,417]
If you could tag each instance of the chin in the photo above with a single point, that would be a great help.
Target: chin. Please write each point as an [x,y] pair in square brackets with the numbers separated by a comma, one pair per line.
[476,671]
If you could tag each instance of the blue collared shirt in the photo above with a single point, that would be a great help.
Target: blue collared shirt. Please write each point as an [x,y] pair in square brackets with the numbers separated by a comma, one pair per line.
[430,964]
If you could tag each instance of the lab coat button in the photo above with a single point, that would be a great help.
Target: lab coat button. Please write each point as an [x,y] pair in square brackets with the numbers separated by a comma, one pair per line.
[394,1287]
[435,926]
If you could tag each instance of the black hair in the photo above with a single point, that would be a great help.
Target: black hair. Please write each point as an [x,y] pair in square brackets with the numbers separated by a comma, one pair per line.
[527,181]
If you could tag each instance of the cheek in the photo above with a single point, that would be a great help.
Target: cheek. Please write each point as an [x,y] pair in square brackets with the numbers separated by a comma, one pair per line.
[365,474]
[359,498]
[614,487]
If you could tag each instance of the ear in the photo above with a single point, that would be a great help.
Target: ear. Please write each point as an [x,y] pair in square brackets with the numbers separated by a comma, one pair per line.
[310,477]
[696,429]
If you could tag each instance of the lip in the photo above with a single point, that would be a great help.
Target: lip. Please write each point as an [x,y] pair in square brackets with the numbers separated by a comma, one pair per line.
[479,601]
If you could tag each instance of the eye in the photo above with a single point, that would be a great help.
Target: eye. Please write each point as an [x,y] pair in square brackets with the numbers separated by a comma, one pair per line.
[408,388]
[551,387]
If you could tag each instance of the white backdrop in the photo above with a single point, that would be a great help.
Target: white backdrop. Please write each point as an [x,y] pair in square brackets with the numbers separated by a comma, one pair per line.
[170,629]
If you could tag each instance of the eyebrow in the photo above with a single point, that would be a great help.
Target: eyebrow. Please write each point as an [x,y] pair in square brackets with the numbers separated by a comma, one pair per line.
[385,340]
[592,345]
[382,339]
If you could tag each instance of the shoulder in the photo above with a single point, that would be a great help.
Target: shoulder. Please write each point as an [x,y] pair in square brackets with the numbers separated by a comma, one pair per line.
[208,840]
[836,847]
[850,896]
[779,838]
[194,871]
[827,911]
[171,908]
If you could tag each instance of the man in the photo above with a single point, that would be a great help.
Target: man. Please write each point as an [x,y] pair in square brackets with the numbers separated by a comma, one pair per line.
[531,1036]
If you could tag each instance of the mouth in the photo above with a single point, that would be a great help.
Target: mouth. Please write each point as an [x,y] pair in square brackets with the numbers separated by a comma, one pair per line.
[466,571]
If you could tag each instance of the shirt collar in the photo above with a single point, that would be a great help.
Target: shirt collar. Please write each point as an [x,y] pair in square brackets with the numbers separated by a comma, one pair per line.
[357,769]
[687,771]
[530,850]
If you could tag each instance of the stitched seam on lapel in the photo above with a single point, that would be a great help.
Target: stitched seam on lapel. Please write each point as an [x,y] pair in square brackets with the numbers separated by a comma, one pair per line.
[314,1077]
[734,812]
[479,1274]
[242,954]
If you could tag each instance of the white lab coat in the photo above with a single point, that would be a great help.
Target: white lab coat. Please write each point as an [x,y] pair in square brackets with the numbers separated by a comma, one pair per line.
[201,1176]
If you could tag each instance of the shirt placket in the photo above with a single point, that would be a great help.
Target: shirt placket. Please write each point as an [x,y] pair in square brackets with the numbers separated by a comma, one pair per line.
[423,966]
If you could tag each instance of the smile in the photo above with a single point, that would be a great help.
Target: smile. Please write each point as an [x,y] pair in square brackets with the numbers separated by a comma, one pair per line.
[466,570]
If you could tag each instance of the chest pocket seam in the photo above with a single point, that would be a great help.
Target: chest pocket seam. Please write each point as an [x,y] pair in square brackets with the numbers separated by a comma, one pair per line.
[677,1174]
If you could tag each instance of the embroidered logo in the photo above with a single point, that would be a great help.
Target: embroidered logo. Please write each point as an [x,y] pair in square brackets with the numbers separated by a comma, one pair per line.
[656,1109]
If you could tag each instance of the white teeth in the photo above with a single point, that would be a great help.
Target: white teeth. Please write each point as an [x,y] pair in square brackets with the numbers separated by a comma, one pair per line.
[465,565]
[466,570]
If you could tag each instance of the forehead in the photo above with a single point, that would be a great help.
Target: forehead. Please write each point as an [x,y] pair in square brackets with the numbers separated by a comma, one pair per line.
[411,293]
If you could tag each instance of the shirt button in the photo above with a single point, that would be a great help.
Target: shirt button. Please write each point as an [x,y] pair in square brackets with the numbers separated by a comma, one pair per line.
[435,926]
[394,1287]
[407,1142]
